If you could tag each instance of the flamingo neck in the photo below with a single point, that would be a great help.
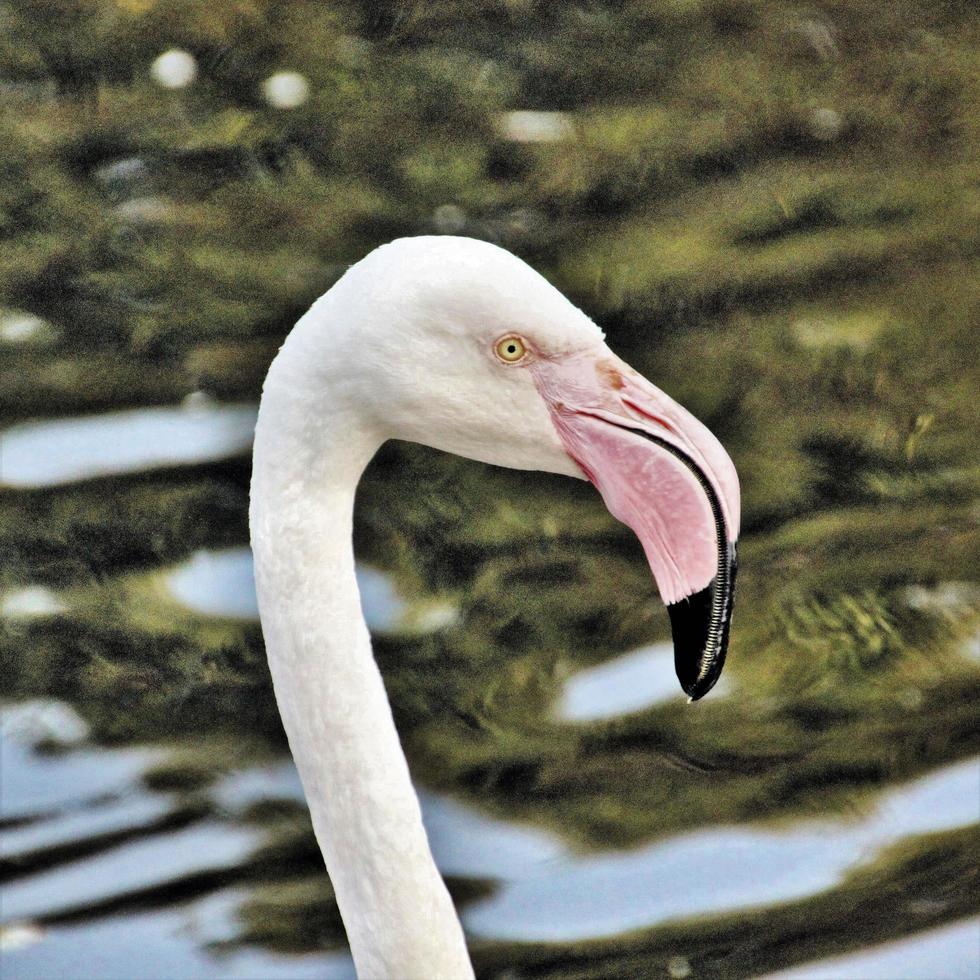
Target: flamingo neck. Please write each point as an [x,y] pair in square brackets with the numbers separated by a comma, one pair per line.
[310,450]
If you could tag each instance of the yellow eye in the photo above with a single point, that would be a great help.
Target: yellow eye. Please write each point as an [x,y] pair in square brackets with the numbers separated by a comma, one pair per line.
[510,349]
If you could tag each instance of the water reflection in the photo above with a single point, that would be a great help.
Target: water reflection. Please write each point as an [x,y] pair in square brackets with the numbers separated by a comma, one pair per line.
[545,890]
[222,583]
[536,126]
[217,583]
[628,683]
[548,892]
[54,451]
[30,602]
[167,944]
[154,860]
[36,783]
[465,842]
[73,801]
[21,327]
[949,953]
[717,869]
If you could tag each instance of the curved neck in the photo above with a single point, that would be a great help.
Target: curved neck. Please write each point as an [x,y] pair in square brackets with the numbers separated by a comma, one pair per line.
[310,450]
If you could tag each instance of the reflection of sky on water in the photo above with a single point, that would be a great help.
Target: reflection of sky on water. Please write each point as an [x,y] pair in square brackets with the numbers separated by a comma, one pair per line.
[165,944]
[717,869]
[545,890]
[73,825]
[31,601]
[217,583]
[464,841]
[34,783]
[143,863]
[49,452]
[632,682]
[549,892]
[222,583]
[77,795]
[949,953]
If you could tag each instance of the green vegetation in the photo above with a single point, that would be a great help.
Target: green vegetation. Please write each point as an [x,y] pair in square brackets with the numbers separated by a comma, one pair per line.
[772,212]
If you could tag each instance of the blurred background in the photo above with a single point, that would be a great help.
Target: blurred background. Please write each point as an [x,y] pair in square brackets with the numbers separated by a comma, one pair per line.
[772,211]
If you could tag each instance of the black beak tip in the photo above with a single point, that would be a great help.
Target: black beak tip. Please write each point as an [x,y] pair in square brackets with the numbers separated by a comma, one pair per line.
[700,626]
[700,688]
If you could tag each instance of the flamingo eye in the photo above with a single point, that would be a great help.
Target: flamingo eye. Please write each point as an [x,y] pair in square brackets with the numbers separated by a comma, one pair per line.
[510,349]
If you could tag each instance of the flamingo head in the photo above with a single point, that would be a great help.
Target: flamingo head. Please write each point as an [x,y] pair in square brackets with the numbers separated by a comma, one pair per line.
[463,347]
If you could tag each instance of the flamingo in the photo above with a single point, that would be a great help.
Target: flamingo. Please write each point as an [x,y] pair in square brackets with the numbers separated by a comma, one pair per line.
[459,345]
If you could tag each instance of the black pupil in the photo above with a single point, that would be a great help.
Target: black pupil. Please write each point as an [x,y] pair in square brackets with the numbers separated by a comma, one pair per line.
[511,349]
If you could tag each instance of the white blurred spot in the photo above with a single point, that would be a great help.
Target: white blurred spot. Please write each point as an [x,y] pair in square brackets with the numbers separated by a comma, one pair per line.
[35,600]
[17,327]
[286,89]
[17,935]
[431,617]
[127,170]
[826,124]
[196,401]
[174,69]
[43,720]
[143,210]
[449,219]
[678,968]
[952,598]
[971,646]
[819,35]
[527,126]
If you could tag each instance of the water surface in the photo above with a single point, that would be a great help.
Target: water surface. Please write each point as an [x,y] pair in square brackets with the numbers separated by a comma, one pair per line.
[168,944]
[222,583]
[717,869]
[632,682]
[48,452]
[949,953]
[545,890]
[71,797]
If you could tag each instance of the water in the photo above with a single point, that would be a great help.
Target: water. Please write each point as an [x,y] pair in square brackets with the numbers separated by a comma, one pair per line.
[54,451]
[31,602]
[470,844]
[632,682]
[36,783]
[465,842]
[154,860]
[217,583]
[949,953]
[718,869]
[535,126]
[222,583]
[545,890]
[167,944]
[20,327]
[71,798]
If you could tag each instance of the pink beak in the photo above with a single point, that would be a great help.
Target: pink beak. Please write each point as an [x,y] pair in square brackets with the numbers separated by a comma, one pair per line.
[661,472]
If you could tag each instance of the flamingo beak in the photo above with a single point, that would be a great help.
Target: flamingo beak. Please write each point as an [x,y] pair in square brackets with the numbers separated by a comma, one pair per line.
[661,472]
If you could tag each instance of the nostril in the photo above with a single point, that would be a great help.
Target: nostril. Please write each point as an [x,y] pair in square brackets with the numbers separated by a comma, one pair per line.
[643,414]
